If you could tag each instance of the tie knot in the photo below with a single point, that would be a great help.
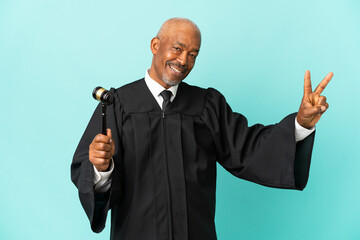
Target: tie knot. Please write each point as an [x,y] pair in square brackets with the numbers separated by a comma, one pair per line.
[166,95]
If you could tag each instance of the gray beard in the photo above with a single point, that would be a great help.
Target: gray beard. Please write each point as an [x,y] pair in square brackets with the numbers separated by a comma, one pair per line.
[170,82]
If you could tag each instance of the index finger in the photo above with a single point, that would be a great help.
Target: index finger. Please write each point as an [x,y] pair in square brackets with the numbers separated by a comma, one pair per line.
[307,83]
[322,85]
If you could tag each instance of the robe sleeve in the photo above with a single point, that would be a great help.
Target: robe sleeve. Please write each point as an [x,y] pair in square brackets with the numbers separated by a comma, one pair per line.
[267,155]
[96,205]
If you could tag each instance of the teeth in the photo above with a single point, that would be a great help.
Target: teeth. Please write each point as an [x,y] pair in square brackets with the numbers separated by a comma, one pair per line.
[176,70]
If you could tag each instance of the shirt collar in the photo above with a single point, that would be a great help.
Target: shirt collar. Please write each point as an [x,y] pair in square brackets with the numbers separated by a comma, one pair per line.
[155,88]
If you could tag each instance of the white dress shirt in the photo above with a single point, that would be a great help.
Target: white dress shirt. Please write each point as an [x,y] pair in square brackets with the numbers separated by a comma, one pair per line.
[102,180]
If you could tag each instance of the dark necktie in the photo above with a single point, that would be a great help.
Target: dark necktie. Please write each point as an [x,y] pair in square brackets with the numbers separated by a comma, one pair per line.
[166,95]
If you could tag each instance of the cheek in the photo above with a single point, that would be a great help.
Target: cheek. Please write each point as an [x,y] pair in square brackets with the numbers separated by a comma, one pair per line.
[159,61]
[170,56]
[191,64]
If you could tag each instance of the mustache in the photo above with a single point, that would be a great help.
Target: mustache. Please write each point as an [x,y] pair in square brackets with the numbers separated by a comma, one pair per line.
[183,68]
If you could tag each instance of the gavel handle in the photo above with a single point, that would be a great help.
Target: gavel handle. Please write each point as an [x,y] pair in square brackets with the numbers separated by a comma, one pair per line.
[103,130]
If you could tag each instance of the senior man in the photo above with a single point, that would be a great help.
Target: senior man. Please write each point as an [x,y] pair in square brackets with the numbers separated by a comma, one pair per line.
[156,167]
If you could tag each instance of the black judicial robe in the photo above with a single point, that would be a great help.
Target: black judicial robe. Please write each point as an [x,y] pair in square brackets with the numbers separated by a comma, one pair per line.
[164,180]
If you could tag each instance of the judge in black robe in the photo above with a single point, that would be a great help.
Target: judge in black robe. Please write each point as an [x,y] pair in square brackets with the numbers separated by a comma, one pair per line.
[164,178]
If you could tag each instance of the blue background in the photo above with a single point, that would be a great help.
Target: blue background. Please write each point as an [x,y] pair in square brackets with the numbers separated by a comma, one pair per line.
[53,53]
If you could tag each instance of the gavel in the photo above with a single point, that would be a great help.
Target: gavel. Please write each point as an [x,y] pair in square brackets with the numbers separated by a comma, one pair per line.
[106,98]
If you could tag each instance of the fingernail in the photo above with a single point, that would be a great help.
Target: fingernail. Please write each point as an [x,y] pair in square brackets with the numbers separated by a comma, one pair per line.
[323,108]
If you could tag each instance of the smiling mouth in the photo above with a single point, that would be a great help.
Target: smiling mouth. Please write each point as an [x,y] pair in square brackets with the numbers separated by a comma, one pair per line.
[175,69]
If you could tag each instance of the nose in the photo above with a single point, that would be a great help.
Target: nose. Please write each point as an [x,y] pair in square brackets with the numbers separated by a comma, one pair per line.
[182,58]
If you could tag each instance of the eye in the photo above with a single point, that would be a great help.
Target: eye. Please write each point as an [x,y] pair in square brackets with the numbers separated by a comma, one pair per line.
[177,48]
[193,56]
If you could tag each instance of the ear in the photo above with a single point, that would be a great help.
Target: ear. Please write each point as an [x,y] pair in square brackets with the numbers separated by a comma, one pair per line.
[154,45]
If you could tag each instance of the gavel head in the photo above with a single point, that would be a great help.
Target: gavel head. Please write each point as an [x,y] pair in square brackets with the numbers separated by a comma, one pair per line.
[103,95]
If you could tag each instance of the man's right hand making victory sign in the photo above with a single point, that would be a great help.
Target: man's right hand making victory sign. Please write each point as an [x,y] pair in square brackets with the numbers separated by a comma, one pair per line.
[313,105]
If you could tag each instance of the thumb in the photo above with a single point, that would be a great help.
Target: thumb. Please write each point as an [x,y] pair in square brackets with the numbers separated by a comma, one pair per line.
[108,133]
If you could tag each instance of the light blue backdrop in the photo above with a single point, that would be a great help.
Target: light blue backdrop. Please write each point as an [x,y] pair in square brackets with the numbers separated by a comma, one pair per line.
[53,53]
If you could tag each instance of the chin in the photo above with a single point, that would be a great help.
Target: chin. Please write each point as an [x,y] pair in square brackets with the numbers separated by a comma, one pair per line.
[171,82]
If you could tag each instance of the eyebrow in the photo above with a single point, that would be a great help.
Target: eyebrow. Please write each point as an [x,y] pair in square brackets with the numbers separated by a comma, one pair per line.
[181,44]
[184,46]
